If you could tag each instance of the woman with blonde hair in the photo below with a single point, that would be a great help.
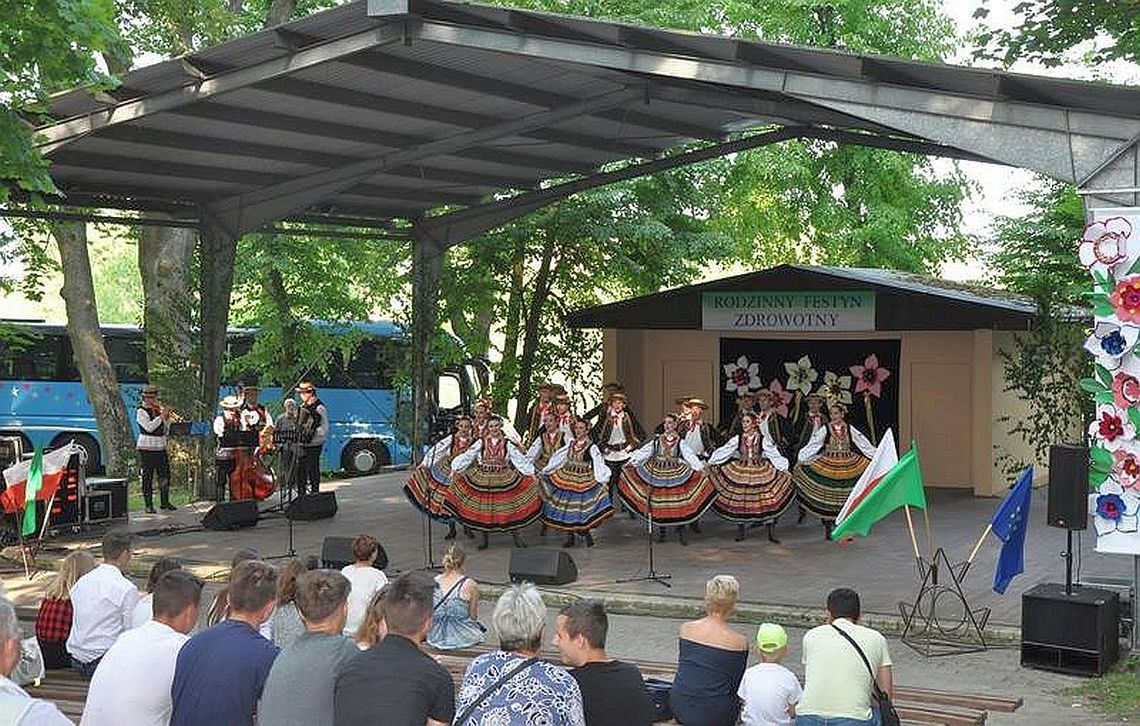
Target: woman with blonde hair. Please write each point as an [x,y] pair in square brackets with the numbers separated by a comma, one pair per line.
[711,661]
[455,618]
[374,626]
[287,623]
[53,621]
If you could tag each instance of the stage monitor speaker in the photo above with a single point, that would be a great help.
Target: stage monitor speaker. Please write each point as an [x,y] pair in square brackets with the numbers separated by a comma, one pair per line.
[1068,487]
[231,515]
[336,552]
[307,507]
[1076,634]
[542,566]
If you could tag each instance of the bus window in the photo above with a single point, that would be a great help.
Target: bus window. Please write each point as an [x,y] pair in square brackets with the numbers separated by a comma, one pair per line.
[128,358]
[37,362]
[449,392]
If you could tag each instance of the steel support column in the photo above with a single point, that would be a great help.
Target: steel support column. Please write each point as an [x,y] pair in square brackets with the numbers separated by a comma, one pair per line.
[427,266]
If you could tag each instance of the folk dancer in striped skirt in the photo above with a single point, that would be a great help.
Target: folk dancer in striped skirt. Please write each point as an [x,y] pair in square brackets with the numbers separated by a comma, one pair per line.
[666,478]
[493,486]
[701,436]
[576,498]
[751,478]
[549,439]
[617,433]
[429,488]
[830,465]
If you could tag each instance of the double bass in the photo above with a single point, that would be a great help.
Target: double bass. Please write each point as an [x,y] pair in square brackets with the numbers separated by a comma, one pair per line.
[251,478]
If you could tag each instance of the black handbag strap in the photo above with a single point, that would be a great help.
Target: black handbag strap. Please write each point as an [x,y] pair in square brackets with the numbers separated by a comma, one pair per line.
[492,688]
[874,681]
[450,590]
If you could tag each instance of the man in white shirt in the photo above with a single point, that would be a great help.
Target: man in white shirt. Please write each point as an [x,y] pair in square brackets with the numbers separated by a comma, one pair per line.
[132,683]
[17,708]
[103,604]
[837,683]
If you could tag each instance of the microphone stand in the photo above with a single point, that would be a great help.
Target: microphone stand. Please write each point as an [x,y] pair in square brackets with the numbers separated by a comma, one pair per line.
[653,575]
[429,557]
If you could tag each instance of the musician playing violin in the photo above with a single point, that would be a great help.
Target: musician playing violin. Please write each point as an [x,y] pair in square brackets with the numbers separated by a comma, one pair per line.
[227,427]
[254,416]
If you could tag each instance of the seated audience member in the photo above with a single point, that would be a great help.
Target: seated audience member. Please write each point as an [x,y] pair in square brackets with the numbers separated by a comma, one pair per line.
[769,691]
[17,708]
[365,579]
[536,692]
[711,661]
[144,608]
[220,607]
[299,689]
[221,671]
[132,683]
[287,624]
[53,621]
[837,684]
[373,629]
[613,692]
[455,619]
[394,682]
[103,605]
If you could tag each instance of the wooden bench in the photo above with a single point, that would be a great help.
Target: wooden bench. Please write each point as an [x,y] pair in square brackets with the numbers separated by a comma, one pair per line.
[917,706]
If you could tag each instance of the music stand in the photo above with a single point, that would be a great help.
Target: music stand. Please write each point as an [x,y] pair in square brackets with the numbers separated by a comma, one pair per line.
[286,494]
[653,576]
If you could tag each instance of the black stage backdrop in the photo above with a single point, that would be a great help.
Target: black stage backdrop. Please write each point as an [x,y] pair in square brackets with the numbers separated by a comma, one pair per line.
[751,364]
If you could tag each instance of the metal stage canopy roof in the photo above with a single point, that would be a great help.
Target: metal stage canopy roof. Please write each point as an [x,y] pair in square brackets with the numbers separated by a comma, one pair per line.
[377,112]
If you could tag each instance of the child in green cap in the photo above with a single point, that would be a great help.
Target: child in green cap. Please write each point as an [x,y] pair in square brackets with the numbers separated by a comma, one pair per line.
[769,691]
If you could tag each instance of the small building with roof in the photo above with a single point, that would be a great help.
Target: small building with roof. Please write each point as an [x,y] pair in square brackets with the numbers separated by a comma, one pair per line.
[916,354]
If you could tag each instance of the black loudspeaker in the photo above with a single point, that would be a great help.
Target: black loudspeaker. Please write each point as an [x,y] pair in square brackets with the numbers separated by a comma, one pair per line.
[336,552]
[1068,487]
[231,515]
[1075,633]
[542,566]
[308,507]
[117,488]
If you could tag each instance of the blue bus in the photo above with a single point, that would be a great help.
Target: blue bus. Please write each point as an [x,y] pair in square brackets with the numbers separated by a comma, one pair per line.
[44,403]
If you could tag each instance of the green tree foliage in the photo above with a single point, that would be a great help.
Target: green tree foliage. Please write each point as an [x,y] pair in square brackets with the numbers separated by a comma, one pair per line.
[1035,255]
[1049,30]
[45,46]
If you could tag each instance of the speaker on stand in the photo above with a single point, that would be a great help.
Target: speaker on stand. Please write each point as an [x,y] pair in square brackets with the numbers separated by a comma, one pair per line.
[1068,506]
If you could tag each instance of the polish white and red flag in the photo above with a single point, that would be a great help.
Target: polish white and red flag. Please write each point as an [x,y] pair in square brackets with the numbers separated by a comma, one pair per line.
[14,495]
[886,458]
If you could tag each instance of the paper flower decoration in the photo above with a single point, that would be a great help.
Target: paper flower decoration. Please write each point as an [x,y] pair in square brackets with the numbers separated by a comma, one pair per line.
[741,376]
[1125,390]
[1125,300]
[1111,425]
[1111,341]
[836,388]
[1104,244]
[1126,467]
[869,377]
[801,375]
[1116,509]
[780,398]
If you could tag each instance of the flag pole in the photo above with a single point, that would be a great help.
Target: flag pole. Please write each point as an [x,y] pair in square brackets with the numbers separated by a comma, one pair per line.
[929,536]
[977,546]
[910,528]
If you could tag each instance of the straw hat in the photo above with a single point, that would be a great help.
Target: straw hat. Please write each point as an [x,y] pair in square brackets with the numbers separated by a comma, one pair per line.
[150,390]
[231,403]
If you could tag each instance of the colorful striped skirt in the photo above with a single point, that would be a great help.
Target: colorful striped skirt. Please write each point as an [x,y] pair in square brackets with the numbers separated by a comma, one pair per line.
[429,490]
[671,488]
[495,499]
[573,500]
[757,492]
[822,485]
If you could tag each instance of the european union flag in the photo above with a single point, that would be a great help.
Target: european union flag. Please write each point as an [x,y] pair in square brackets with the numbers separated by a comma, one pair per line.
[1010,522]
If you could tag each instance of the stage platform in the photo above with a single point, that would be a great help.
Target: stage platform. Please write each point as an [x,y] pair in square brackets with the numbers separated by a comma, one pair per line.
[793,576]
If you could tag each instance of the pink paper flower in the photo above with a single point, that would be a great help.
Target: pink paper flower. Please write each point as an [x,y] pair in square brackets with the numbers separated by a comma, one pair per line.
[781,397]
[869,377]
[1125,300]
[1126,467]
[1125,390]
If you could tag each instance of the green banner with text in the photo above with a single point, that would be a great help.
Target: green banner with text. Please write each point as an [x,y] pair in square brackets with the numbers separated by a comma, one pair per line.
[788,311]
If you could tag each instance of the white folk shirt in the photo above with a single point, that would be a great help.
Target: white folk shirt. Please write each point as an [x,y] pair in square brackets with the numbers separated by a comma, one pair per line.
[152,430]
[17,708]
[132,683]
[617,439]
[694,440]
[103,605]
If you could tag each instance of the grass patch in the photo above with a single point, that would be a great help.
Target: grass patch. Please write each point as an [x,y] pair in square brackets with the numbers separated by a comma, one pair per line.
[1117,693]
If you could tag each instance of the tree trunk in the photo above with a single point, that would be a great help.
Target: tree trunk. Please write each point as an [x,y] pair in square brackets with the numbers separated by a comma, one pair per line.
[531,324]
[165,258]
[427,266]
[507,379]
[279,11]
[215,283]
[287,358]
[95,369]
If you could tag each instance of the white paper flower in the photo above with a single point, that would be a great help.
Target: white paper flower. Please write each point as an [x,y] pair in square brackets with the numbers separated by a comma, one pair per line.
[741,376]
[1111,340]
[1111,426]
[1115,509]
[836,388]
[1105,246]
[801,375]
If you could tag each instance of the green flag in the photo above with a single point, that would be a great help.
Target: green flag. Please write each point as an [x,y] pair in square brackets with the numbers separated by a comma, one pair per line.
[900,486]
[35,481]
